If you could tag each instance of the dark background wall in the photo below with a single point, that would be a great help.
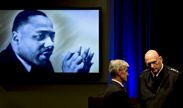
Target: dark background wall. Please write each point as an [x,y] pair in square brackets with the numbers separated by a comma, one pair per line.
[166,31]
[58,95]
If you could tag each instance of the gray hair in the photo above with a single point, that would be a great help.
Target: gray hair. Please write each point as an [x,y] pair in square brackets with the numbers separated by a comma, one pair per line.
[117,64]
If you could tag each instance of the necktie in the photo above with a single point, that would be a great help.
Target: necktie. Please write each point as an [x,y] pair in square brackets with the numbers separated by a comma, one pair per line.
[124,88]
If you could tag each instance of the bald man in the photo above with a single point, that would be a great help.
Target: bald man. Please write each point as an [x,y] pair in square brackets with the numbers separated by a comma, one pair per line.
[159,85]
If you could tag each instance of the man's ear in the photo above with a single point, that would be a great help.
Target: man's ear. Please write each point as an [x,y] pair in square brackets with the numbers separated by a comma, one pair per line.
[118,71]
[15,37]
[161,58]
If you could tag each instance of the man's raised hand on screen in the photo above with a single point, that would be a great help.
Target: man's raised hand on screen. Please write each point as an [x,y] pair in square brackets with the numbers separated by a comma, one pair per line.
[74,62]
[86,58]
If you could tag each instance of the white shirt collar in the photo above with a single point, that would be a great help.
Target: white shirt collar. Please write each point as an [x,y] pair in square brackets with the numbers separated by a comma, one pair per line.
[118,82]
[26,65]
[158,72]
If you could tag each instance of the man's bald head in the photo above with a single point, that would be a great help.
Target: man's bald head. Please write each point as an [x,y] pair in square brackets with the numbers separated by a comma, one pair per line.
[153,61]
[151,54]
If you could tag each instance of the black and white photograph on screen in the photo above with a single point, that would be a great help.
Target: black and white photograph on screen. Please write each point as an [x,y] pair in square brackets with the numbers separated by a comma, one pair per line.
[52,41]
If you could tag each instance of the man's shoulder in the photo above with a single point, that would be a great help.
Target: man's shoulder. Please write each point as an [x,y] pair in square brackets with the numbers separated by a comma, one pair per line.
[173,70]
[145,71]
[3,56]
[114,85]
[6,54]
[7,51]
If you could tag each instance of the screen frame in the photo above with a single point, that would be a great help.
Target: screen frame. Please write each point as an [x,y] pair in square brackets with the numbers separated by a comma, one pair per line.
[62,78]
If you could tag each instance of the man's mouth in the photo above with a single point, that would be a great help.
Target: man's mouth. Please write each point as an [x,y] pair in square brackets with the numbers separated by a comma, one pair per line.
[46,55]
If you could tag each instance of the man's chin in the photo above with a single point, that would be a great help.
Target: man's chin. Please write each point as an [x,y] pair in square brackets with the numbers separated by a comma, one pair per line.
[41,62]
[155,71]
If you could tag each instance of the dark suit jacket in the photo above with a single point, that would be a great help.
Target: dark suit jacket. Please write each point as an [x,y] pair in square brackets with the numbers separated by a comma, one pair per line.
[168,92]
[116,97]
[11,69]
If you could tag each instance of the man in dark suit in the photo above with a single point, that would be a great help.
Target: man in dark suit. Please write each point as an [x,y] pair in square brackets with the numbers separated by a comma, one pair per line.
[160,86]
[115,95]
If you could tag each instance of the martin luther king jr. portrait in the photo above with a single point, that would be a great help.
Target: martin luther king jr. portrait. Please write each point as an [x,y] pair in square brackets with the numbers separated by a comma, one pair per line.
[33,45]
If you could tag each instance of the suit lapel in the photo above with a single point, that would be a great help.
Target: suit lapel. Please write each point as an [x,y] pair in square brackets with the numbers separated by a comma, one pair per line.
[165,76]
[149,82]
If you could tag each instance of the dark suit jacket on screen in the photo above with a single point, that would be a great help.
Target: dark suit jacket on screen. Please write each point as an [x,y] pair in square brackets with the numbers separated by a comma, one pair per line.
[116,97]
[168,92]
[11,68]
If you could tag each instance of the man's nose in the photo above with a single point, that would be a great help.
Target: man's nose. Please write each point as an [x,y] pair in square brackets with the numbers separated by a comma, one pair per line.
[152,65]
[48,42]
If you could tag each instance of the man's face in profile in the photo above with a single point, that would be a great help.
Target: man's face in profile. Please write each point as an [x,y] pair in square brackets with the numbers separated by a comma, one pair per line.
[36,40]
